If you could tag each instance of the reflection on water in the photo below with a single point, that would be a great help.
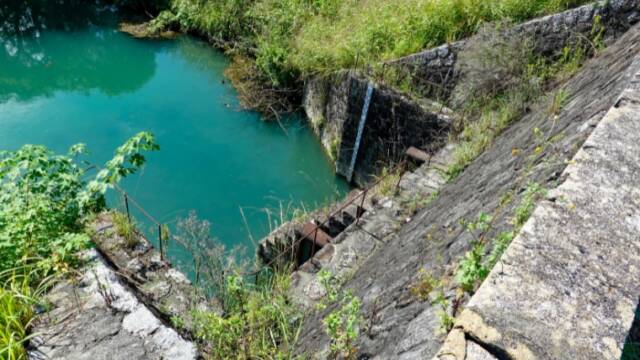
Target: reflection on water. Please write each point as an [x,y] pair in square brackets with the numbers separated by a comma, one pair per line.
[64,81]
[49,46]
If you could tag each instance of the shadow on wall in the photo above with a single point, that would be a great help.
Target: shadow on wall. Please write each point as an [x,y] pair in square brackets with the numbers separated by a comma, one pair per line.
[394,123]
[37,60]
[631,350]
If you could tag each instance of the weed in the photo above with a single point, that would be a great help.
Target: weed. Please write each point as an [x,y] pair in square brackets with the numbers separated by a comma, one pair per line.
[558,100]
[126,229]
[410,206]
[260,323]
[388,181]
[532,193]
[500,245]
[331,285]
[446,319]
[471,269]
[343,327]
[424,286]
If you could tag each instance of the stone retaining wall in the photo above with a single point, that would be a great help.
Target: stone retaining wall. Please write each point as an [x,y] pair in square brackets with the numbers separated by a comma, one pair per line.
[333,104]
[397,324]
[395,122]
[567,287]
[436,72]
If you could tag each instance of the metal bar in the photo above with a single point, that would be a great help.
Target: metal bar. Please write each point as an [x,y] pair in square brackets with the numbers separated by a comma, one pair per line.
[358,215]
[363,120]
[160,241]
[315,238]
[126,204]
[344,206]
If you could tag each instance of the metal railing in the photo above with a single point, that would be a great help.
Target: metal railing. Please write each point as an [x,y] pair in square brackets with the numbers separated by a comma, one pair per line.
[129,200]
[398,169]
[361,197]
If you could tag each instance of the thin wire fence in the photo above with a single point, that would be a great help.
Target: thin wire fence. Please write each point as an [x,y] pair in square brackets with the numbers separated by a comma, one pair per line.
[163,236]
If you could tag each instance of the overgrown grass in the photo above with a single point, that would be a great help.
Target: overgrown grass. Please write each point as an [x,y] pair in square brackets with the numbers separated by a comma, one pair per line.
[20,291]
[287,40]
[125,228]
[376,30]
[260,321]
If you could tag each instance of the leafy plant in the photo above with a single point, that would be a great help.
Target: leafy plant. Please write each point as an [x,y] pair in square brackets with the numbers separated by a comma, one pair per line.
[446,319]
[343,327]
[261,323]
[532,193]
[44,196]
[471,269]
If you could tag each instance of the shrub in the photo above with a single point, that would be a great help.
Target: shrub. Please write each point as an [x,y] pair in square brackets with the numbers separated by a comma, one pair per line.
[343,327]
[43,200]
[261,323]
[43,197]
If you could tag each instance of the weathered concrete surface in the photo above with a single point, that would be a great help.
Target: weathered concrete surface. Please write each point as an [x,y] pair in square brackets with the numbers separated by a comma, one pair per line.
[400,326]
[567,287]
[97,317]
[384,217]
[163,288]
[394,123]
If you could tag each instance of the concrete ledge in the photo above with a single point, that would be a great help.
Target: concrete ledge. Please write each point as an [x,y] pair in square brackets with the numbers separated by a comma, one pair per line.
[567,287]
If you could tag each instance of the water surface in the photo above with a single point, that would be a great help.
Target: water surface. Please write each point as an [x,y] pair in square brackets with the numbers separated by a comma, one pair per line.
[72,82]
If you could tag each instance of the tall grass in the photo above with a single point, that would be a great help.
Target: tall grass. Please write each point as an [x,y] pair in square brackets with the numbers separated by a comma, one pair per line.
[375,30]
[290,39]
[19,294]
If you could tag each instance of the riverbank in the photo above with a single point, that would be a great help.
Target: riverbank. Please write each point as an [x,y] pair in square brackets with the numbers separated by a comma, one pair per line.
[276,46]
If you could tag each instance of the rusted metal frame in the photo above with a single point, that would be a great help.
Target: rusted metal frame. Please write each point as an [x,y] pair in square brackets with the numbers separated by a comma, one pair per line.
[358,215]
[343,207]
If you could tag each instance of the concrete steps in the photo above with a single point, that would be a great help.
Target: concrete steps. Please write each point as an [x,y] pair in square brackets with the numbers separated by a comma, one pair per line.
[356,242]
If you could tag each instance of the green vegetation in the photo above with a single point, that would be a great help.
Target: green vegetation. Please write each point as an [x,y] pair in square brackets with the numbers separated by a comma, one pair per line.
[277,43]
[343,327]
[259,321]
[44,204]
[343,324]
[18,297]
[428,288]
[425,285]
[488,108]
[388,181]
[476,263]
[125,228]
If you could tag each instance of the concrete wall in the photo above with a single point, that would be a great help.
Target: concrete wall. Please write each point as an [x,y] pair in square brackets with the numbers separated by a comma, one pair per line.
[399,325]
[567,287]
[334,106]
[436,72]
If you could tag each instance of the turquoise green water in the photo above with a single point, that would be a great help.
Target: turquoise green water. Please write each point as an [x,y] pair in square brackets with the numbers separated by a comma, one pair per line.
[94,85]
